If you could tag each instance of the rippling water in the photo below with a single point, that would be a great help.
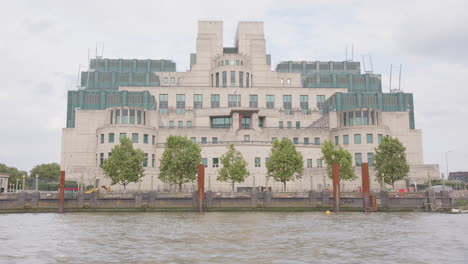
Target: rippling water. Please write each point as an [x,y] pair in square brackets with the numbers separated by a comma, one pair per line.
[234,237]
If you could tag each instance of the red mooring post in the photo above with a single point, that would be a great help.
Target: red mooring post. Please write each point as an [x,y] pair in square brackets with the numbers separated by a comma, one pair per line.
[336,187]
[365,187]
[201,187]
[61,192]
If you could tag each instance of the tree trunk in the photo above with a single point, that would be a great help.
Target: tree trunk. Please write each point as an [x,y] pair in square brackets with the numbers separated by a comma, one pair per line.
[180,187]
[124,184]
[284,186]
[233,186]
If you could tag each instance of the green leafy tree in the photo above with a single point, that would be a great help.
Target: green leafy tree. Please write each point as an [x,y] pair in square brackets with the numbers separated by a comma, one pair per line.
[341,156]
[234,167]
[179,161]
[390,161]
[125,165]
[14,173]
[285,163]
[50,171]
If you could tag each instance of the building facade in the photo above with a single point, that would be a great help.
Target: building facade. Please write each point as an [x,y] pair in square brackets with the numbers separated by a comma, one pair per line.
[232,95]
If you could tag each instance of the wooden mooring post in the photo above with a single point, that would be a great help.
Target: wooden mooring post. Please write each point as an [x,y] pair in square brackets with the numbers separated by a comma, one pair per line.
[201,187]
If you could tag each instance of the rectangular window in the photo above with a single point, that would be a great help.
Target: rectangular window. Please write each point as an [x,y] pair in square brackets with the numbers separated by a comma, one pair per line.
[102,138]
[101,158]
[197,101]
[171,124]
[180,104]
[172,79]
[166,80]
[215,101]
[266,160]
[270,101]
[132,116]
[109,154]
[253,101]
[289,124]
[357,138]
[337,140]
[180,124]
[320,103]
[153,159]
[316,141]
[241,79]
[370,159]
[257,162]
[358,158]
[345,122]
[189,124]
[233,78]
[309,163]
[372,118]
[287,104]
[365,118]
[139,117]
[247,80]
[112,116]
[358,118]
[117,116]
[145,138]
[245,122]
[260,121]
[289,81]
[345,139]
[298,124]
[153,140]
[224,79]
[163,105]
[145,161]
[203,140]
[111,137]
[370,138]
[214,140]
[306,141]
[123,135]
[215,162]
[217,79]
[205,162]
[296,141]
[319,163]
[379,138]
[135,137]
[221,122]
[124,116]
[234,100]
[280,124]
[304,104]
[194,139]
[351,118]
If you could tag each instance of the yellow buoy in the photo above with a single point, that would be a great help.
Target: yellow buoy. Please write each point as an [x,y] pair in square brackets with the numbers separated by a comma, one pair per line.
[327,212]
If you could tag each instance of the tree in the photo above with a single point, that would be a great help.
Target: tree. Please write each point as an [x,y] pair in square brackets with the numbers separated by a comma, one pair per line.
[50,171]
[179,161]
[390,161]
[125,165]
[234,167]
[341,156]
[14,173]
[285,163]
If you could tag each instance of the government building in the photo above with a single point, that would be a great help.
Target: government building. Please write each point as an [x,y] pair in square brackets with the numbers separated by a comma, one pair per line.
[233,95]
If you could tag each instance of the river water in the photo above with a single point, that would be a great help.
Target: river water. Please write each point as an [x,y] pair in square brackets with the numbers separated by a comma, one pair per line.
[234,237]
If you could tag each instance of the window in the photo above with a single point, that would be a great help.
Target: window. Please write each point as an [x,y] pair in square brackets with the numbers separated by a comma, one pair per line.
[217,79]
[145,160]
[266,160]
[358,158]
[124,116]
[260,121]
[214,140]
[171,124]
[189,124]
[165,79]
[145,138]
[172,79]
[101,158]
[345,123]
[296,141]
[270,101]
[221,122]
[135,137]
[298,124]
[370,159]
[306,141]
[215,101]
[153,140]
[203,140]
[180,104]
[132,116]
[319,163]
[289,124]
[233,78]
[102,138]
[224,79]
[153,159]
[234,100]
[241,79]
[287,104]
[109,154]
[163,105]
[365,118]
[273,139]
[372,118]
[337,140]
[245,122]
[112,116]
[320,103]
[309,163]
[117,116]
[282,81]
[345,139]
[369,138]
[247,80]
[289,81]
[358,118]
[194,139]
[357,138]
[111,137]
[205,162]
[180,124]
[351,118]
[304,104]
[139,117]
[316,141]
[246,138]
[379,138]
[257,162]
[253,101]
[280,124]
[197,101]
[215,162]
[123,135]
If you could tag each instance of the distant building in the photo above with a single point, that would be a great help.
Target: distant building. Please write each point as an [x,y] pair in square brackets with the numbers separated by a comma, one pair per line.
[232,95]
[459,176]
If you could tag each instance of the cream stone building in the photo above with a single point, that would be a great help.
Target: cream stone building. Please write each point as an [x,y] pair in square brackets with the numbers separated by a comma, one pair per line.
[232,95]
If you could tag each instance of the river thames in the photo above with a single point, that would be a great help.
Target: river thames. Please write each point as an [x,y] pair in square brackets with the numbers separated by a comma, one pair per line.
[234,237]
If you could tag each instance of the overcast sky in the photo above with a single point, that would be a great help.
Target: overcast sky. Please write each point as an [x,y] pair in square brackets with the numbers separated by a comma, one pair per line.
[43,43]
